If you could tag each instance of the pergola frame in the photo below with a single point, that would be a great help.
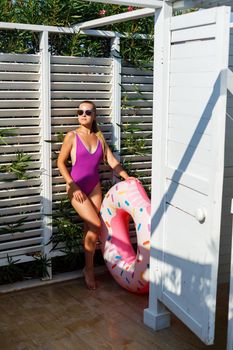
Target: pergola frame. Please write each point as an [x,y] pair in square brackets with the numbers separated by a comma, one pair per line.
[46,88]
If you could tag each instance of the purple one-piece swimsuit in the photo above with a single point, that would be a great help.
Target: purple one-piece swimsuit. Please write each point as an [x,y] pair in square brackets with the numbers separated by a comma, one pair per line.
[85,170]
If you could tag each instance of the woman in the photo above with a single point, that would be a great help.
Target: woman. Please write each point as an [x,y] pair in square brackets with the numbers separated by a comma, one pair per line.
[87,147]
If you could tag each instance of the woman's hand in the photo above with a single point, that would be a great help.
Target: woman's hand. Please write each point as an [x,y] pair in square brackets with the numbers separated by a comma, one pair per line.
[133,178]
[79,195]
[76,192]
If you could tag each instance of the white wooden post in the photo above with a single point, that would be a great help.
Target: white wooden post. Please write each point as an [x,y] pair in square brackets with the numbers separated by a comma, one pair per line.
[46,161]
[116,96]
[230,308]
[156,316]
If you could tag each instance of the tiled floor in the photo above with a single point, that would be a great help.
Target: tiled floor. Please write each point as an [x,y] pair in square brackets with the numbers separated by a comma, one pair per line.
[68,316]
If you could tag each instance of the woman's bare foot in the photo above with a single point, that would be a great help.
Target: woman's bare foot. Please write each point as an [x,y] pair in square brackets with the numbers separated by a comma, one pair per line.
[89,278]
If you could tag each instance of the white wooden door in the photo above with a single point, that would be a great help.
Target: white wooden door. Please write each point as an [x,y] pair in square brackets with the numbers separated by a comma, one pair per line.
[188,163]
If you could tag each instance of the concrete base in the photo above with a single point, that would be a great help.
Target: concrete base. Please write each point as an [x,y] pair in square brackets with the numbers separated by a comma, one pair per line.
[156,321]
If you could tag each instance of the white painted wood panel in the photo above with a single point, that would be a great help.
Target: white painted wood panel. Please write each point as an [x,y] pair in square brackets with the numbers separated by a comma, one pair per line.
[200,64]
[55,68]
[23,147]
[8,57]
[19,112]
[194,94]
[21,243]
[79,86]
[31,217]
[19,121]
[75,102]
[176,122]
[19,192]
[193,20]
[19,85]
[194,33]
[19,184]
[191,79]
[19,76]
[197,183]
[19,109]
[19,235]
[23,251]
[185,199]
[179,155]
[183,109]
[19,67]
[76,77]
[193,49]
[92,61]
[19,210]
[179,136]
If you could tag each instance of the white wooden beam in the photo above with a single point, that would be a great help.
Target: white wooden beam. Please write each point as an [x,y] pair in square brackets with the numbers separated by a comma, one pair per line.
[156,315]
[53,29]
[154,4]
[66,30]
[230,308]
[46,162]
[116,98]
[121,17]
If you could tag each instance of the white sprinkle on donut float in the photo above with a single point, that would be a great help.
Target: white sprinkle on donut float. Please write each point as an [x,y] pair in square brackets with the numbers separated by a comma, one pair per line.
[126,198]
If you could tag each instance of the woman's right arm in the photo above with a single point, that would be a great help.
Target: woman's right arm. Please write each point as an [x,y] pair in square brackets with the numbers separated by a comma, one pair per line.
[63,156]
[71,186]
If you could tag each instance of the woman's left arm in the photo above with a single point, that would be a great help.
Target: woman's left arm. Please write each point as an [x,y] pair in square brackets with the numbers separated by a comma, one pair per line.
[116,165]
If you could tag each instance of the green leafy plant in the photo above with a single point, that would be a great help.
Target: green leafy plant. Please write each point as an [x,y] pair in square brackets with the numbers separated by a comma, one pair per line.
[41,265]
[69,13]
[59,137]
[14,227]
[126,97]
[131,142]
[68,231]
[5,133]
[63,209]
[18,166]
[11,272]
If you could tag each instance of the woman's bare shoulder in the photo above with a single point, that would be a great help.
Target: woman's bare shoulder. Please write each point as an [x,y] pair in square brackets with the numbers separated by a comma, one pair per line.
[70,135]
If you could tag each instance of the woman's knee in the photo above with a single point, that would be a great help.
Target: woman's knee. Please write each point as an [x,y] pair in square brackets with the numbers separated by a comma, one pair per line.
[93,225]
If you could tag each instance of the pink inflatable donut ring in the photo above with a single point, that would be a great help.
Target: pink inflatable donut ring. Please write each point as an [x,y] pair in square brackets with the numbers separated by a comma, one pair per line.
[131,270]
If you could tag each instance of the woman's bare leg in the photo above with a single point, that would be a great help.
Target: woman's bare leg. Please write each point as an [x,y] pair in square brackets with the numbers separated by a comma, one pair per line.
[91,237]
[87,211]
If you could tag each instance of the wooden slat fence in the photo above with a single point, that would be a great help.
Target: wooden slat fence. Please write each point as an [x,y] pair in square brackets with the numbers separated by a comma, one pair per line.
[73,79]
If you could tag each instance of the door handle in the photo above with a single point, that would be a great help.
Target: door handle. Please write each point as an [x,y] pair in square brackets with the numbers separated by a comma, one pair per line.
[200,214]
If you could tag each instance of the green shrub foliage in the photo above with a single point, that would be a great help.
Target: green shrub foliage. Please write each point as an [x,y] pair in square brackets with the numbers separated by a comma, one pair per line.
[69,13]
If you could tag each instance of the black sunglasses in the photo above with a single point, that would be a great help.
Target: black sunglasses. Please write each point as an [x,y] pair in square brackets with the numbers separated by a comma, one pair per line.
[87,112]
